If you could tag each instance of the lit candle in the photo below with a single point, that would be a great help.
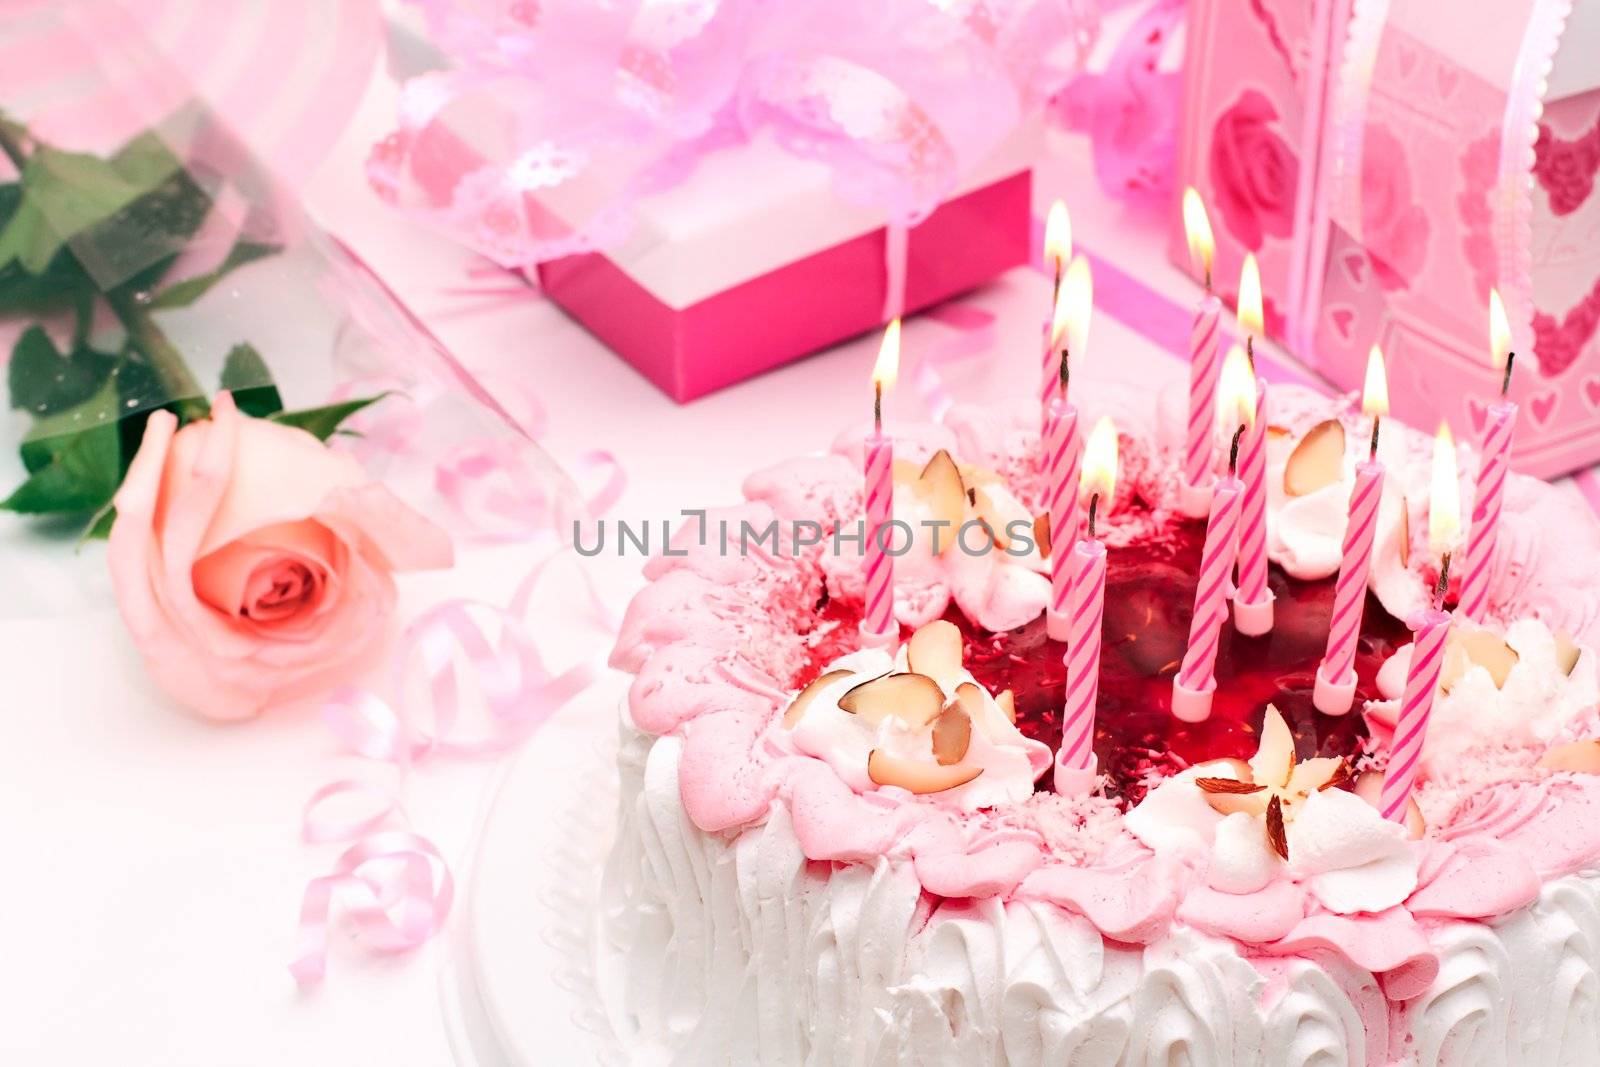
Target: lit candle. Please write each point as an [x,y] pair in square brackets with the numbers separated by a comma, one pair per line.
[1252,603]
[1075,761]
[1203,362]
[1057,252]
[1430,630]
[1335,690]
[877,621]
[1494,463]
[1063,445]
[1196,681]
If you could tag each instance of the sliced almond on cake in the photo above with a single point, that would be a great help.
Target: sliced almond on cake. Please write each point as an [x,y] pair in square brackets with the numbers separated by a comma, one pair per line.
[1567,652]
[916,776]
[906,472]
[1317,461]
[1041,534]
[974,475]
[803,699]
[1580,756]
[1369,787]
[936,651]
[1405,532]
[1006,701]
[1490,652]
[914,699]
[952,734]
[941,486]
[1228,788]
[983,504]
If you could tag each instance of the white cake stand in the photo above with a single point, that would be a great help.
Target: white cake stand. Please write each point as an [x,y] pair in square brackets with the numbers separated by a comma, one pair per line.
[518,989]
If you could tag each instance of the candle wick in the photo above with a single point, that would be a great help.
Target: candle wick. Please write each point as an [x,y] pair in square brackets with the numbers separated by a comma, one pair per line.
[1505,382]
[1208,278]
[1374,453]
[1233,452]
[1250,351]
[1444,582]
[1094,504]
[877,407]
[1066,372]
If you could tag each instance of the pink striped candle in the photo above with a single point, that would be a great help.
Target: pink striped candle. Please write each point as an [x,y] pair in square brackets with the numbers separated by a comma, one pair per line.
[877,620]
[1416,705]
[1252,601]
[1085,613]
[1063,461]
[1196,679]
[1494,463]
[1204,364]
[1336,675]
[1084,616]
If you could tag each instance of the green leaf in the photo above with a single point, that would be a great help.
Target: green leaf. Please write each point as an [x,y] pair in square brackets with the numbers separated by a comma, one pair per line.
[74,459]
[63,284]
[324,421]
[43,381]
[66,193]
[182,294]
[245,374]
[99,527]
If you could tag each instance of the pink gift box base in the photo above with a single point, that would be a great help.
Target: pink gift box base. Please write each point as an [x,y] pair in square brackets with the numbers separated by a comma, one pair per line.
[799,308]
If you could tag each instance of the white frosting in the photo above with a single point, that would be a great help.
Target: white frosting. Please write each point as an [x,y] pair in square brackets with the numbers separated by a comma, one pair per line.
[1350,857]
[1174,817]
[719,950]
[1241,859]
[1009,761]
[1534,706]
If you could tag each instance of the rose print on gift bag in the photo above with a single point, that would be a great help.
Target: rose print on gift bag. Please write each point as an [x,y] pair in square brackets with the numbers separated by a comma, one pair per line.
[1253,171]
[1393,224]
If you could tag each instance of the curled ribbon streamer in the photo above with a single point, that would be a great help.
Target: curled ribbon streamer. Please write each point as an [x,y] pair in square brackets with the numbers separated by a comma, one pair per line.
[395,885]
[396,890]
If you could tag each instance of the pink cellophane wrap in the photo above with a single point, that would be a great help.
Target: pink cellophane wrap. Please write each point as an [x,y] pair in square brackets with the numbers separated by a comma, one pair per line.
[94,77]
[558,114]
[1389,163]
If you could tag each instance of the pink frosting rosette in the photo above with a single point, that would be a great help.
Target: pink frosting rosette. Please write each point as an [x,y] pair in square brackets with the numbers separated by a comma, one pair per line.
[557,114]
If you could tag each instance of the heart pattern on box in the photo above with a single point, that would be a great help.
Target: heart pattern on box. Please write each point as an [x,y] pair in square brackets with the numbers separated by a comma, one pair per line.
[1565,169]
[1557,344]
[1477,413]
[1343,320]
[1449,76]
[1591,393]
[1542,406]
[1355,267]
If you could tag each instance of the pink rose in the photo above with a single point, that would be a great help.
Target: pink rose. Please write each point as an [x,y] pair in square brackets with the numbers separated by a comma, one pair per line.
[1394,227]
[1253,172]
[252,564]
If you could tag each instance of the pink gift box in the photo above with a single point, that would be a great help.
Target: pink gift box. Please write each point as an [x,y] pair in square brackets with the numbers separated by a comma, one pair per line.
[1387,168]
[753,262]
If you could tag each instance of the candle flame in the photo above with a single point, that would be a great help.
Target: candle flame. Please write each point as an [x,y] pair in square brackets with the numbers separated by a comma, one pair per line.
[1499,331]
[1375,393]
[1249,310]
[887,368]
[1074,304]
[1236,392]
[1444,504]
[1197,227]
[1100,462]
[1057,237]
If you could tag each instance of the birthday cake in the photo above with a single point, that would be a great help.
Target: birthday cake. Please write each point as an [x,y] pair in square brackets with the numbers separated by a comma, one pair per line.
[833,852]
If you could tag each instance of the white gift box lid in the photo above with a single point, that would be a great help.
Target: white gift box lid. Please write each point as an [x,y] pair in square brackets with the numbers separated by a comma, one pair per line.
[751,208]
